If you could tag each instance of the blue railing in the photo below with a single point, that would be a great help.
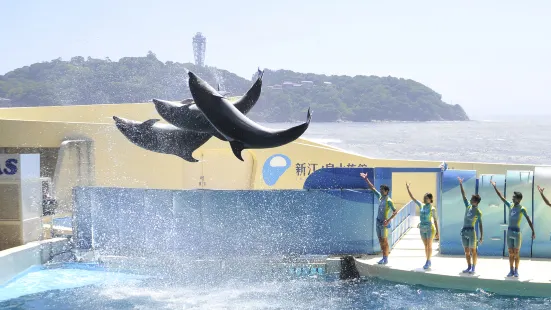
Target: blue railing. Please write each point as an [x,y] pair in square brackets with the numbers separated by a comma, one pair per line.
[402,222]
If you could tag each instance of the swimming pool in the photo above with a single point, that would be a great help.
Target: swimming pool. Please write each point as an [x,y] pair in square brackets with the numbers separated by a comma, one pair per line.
[90,286]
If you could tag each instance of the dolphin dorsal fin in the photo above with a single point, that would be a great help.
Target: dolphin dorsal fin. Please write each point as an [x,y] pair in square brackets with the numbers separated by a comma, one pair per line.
[150,122]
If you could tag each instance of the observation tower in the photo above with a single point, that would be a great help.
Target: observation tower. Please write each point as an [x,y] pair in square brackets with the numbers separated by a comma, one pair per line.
[199,49]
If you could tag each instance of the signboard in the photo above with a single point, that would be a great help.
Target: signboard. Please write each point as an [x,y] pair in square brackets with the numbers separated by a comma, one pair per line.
[10,166]
[15,167]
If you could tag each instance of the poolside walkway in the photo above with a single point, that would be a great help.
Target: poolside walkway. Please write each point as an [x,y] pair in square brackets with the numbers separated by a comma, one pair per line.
[408,257]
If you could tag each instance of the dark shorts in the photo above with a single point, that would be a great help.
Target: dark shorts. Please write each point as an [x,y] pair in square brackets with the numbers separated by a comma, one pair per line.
[427,231]
[468,237]
[514,239]
[382,231]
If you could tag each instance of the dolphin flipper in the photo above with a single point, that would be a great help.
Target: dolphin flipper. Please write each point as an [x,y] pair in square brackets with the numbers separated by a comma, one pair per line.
[236,148]
[188,157]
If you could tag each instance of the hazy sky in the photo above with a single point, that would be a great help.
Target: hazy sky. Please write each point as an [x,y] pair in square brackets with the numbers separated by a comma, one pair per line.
[492,57]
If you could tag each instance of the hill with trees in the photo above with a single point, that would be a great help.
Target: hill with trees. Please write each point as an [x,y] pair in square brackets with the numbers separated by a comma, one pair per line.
[286,95]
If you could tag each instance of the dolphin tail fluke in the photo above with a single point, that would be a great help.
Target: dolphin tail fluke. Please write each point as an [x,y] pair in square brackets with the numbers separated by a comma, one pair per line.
[309,116]
[293,133]
[189,142]
[237,147]
[247,102]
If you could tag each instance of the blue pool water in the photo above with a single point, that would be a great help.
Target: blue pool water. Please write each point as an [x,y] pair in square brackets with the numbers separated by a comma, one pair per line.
[77,286]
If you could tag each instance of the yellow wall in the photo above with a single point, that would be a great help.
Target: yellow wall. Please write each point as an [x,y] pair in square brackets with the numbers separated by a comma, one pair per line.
[100,113]
[421,183]
[120,163]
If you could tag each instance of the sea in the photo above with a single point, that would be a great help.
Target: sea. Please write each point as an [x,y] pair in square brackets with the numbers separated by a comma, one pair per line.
[498,141]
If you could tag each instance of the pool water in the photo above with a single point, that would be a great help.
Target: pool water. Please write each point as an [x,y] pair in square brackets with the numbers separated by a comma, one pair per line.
[80,286]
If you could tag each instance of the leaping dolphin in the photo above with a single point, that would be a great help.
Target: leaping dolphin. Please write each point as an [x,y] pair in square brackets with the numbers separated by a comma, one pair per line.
[190,100]
[240,131]
[162,138]
[188,116]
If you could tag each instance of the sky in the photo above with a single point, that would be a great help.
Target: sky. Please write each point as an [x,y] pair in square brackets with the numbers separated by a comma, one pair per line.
[491,57]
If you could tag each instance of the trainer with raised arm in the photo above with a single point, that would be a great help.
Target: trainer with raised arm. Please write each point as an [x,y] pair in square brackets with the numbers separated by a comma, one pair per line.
[468,232]
[427,228]
[541,189]
[383,221]
[514,235]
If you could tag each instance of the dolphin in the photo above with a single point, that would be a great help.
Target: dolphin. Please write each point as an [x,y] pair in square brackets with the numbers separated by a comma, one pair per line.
[190,100]
[162,138]
[241,132]
[188,116]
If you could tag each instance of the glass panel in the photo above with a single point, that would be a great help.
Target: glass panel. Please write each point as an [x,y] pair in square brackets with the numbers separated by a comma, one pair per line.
[542,214]
[493,215]
[453,209]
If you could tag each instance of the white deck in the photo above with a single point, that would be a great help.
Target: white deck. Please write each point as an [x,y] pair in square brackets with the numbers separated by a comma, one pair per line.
[408,257]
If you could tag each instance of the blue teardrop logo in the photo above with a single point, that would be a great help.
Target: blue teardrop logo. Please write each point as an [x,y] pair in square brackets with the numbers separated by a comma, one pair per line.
[274,167]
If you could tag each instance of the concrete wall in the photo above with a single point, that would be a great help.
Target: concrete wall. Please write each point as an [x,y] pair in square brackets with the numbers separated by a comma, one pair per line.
[16,260]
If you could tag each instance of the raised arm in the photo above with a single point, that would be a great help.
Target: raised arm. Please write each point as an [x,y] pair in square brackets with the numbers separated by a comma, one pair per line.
[541,189]
[462,190]
[498,192]
[364,176]
[411,195]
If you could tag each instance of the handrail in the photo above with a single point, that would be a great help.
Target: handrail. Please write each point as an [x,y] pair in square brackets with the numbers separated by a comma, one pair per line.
[402,222]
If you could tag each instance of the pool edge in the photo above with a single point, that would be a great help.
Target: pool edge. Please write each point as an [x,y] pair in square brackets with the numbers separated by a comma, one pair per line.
[20,260]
